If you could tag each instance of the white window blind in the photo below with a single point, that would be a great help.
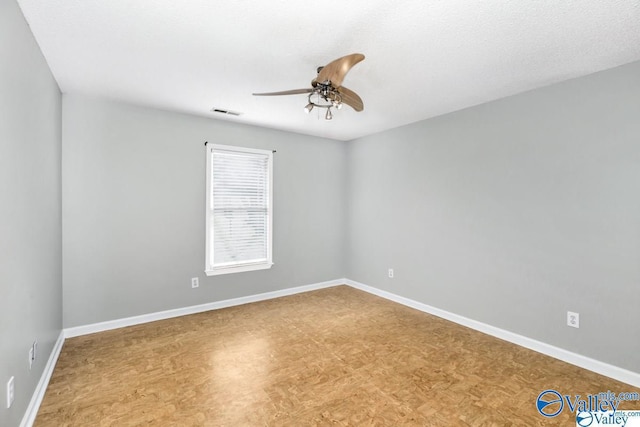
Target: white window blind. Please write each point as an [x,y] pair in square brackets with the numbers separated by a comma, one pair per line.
[238,209]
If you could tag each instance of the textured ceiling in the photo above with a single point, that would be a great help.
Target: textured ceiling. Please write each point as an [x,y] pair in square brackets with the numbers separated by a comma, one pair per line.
[423,58]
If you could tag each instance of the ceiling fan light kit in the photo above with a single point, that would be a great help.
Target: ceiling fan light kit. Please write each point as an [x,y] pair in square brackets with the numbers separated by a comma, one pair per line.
[327,87]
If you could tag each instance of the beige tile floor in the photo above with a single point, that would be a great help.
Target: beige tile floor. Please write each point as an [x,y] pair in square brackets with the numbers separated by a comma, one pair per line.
[331,357]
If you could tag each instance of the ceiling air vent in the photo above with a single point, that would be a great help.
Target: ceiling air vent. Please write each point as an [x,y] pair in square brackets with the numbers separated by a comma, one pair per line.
[227,112]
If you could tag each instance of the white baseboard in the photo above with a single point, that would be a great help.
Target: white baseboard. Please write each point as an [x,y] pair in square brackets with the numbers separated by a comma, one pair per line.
[32,410]
[168,314]
[620,374]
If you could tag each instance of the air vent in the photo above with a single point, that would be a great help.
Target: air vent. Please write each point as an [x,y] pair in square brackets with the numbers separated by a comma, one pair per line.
[228,112]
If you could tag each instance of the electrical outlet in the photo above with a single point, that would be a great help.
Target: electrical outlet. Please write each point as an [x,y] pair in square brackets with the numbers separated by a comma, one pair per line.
[391,273]
[194,282]
[10,392]
[573,319]
[30,357]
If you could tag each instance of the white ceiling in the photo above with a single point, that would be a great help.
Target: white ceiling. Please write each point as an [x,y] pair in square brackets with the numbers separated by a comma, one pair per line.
[423,57]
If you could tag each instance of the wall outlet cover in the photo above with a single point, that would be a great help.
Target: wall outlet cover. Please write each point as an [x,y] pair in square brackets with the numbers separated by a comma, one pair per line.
[573,319]
[10,392]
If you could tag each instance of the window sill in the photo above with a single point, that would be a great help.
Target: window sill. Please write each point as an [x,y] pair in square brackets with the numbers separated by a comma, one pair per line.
[238,269]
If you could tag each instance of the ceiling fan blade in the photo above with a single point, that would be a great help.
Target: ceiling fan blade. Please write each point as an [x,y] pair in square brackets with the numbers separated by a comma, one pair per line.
[351,98]
[335,71]
[285,92]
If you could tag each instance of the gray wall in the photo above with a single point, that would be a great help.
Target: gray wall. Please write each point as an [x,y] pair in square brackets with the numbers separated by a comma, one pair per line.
[512,213]
[134,204]
[30,210]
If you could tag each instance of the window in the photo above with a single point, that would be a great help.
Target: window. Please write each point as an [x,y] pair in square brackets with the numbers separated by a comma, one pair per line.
[239,202]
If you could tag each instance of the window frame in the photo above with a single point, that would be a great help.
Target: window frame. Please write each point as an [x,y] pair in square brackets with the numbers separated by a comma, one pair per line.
[210,270]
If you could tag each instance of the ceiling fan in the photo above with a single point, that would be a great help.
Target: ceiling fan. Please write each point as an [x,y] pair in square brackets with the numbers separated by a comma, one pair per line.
[326,89]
